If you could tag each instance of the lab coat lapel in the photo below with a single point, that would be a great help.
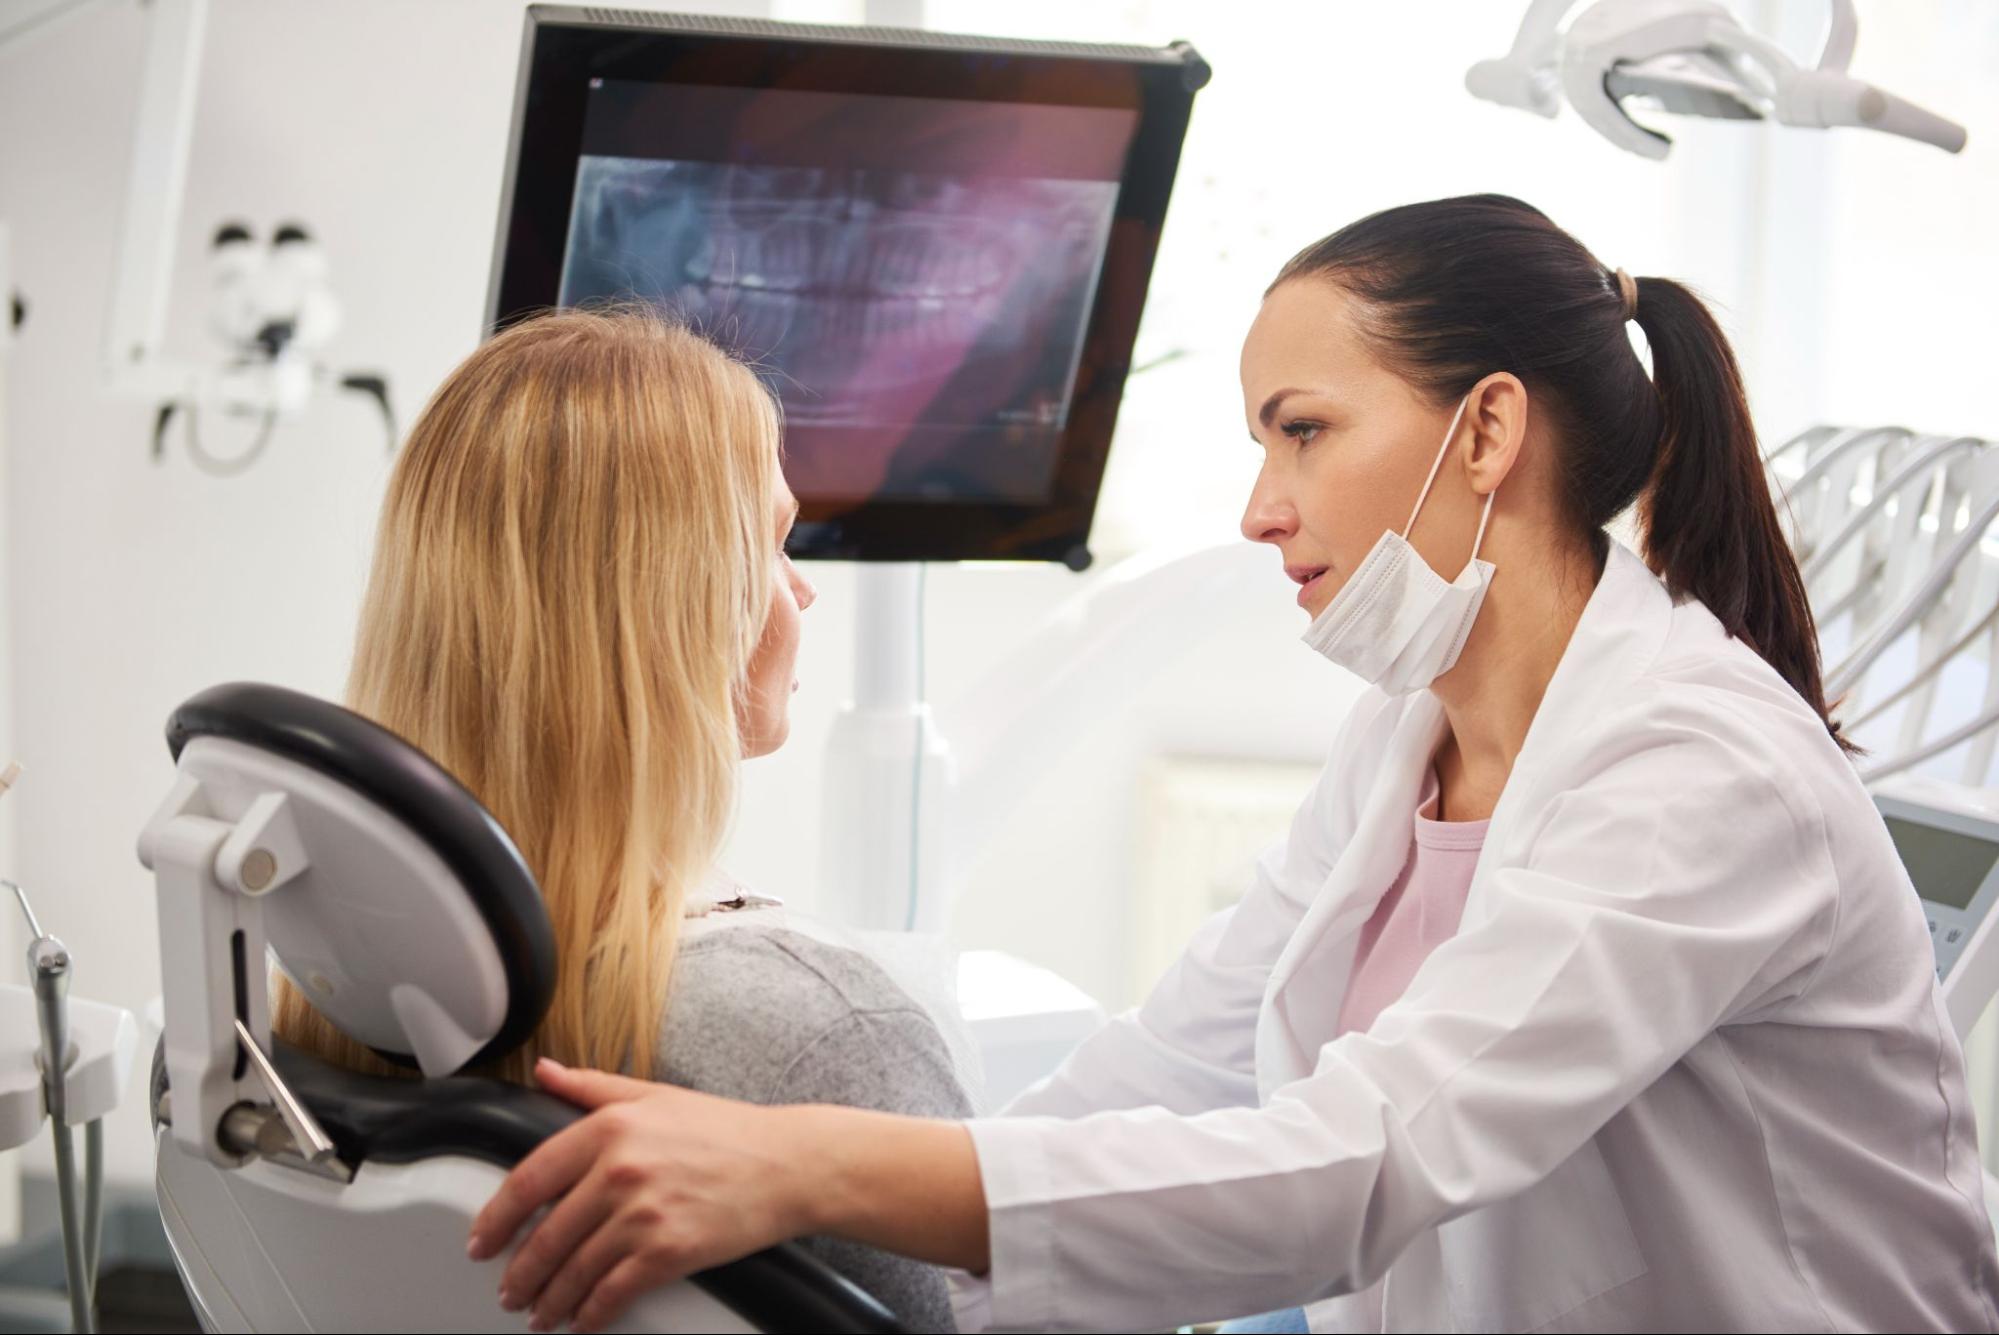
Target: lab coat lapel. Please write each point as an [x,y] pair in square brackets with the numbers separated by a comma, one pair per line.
[1618,635]
[1302,998]
[1620,632]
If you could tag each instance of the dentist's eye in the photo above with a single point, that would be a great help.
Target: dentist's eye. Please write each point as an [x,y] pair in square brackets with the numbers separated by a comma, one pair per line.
[1302,432]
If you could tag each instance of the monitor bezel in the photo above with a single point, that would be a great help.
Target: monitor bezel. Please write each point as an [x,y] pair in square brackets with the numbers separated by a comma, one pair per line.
[564,47]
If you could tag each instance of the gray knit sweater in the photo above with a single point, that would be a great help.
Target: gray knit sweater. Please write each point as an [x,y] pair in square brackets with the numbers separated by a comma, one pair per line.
[762,1012]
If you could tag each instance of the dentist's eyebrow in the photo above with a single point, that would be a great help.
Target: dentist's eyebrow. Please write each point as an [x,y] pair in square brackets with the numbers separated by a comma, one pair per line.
[1268,412]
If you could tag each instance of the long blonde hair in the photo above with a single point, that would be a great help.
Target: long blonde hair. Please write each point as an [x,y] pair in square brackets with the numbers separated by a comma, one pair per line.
[572,572]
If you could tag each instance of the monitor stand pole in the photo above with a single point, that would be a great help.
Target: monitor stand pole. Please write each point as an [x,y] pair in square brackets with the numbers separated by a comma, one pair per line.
[888,773]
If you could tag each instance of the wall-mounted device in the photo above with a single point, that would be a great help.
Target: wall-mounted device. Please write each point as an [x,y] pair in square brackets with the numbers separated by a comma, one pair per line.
[269,372]
[273,308]
[1948,836]
[938,247]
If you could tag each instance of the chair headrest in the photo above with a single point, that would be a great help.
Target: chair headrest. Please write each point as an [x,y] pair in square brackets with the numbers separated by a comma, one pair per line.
[418,917]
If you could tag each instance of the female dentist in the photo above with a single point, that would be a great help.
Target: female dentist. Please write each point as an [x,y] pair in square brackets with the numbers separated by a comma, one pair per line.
[1587,991]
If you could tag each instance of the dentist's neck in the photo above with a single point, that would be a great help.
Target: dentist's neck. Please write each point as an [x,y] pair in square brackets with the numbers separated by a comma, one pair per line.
[1491,694]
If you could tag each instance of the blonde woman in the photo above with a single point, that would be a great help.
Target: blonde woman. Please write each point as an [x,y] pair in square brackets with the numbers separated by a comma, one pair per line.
[580,606]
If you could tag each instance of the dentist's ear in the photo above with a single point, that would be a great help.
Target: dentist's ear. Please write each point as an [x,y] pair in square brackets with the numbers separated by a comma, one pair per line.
[1496,426]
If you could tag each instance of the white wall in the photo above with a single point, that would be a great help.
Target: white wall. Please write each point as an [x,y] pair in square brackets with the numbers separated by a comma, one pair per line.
[383,125]
[1900,325]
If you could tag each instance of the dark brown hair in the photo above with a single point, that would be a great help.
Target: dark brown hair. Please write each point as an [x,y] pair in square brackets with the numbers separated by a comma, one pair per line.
[1456,289]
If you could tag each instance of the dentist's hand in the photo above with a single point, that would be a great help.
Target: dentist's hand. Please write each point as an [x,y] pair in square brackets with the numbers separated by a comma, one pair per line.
[660,1182]
[656,1184]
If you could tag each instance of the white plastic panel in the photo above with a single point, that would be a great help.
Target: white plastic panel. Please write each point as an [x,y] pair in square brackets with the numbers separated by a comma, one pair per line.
[1024,1019]
[375,918]
[105,1040]
[267,1248]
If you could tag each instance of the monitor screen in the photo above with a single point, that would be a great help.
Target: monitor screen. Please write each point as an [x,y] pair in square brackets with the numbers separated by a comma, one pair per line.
[913,274]
[935,250]
[1946,867]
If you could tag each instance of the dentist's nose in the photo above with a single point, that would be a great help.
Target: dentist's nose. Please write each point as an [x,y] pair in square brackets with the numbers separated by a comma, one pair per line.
[1270,517]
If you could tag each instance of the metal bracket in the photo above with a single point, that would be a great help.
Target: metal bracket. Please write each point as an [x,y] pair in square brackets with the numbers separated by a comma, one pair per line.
[303,1141]
[264,850]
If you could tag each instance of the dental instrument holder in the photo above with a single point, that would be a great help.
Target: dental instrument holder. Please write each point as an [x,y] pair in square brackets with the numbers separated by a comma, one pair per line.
[212,876]
[889,774]
[70,1067]
[48,974]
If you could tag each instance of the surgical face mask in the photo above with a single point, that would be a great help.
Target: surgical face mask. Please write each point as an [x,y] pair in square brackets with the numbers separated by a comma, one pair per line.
[1396,623]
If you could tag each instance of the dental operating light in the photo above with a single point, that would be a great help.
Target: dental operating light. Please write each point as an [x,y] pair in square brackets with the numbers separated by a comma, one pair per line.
[1689,58]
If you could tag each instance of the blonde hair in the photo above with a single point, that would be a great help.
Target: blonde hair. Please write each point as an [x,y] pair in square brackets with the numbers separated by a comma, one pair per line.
[571,575]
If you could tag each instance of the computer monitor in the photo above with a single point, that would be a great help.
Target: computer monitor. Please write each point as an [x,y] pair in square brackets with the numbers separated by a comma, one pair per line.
[935,248]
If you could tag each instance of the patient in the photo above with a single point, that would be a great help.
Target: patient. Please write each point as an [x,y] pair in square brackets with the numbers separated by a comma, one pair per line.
[580,606]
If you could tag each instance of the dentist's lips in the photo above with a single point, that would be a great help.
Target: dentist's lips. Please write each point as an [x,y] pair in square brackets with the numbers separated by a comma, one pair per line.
[1307,577]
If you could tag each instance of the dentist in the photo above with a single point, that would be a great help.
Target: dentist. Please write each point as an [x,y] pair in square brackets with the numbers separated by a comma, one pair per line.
[1587,991]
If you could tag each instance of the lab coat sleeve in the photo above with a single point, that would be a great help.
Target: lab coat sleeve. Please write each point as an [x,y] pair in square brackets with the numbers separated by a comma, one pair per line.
[1682,883]
[1191,1045]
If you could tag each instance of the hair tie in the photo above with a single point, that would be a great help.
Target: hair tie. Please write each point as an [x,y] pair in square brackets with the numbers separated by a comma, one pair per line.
[1627,287]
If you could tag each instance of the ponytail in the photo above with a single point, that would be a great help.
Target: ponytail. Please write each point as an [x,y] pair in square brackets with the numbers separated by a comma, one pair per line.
[1711,527]
[1459,288]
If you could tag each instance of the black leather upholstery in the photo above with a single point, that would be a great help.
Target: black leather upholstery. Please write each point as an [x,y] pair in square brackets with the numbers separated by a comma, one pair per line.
[381,1119]
[402,780]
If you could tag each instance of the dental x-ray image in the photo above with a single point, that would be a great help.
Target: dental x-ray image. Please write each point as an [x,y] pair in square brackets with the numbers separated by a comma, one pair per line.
[922,327]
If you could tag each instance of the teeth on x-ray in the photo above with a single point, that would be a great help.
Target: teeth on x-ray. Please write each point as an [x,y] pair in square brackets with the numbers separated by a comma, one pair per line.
[875,293]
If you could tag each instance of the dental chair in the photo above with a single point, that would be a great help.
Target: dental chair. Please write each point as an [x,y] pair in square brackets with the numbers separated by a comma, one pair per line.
[301,1196]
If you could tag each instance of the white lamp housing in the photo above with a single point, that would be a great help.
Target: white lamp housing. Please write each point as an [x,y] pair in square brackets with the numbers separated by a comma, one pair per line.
[1691,58]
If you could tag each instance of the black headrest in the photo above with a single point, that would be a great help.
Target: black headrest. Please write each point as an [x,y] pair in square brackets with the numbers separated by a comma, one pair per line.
[407,784]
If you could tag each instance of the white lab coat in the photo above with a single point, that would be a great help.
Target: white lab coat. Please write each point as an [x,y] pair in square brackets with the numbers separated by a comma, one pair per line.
[1683,1067]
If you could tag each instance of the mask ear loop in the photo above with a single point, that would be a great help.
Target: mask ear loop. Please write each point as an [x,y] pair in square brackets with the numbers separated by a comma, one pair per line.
[1478,541]
[1438,463]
